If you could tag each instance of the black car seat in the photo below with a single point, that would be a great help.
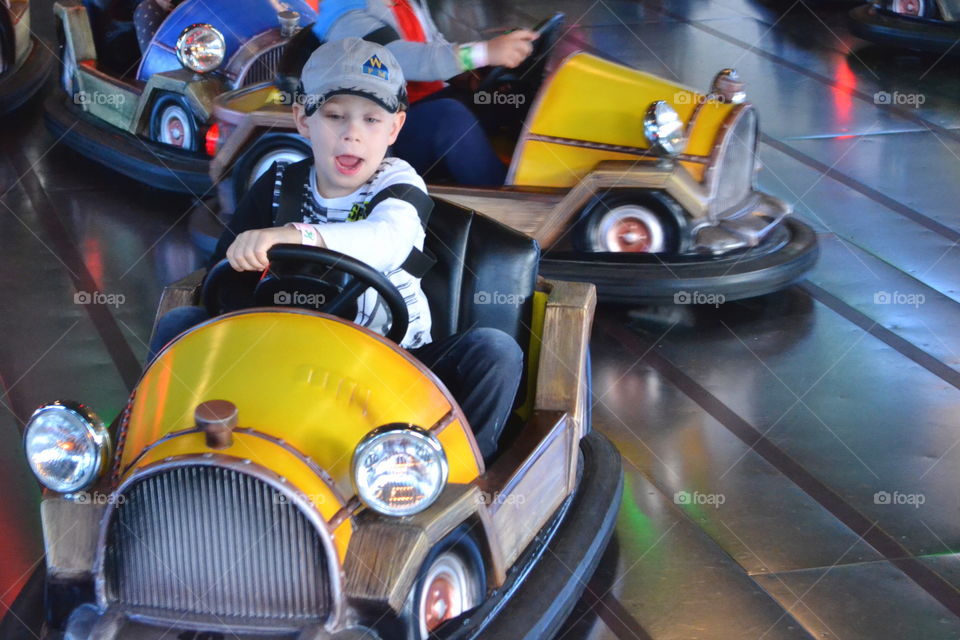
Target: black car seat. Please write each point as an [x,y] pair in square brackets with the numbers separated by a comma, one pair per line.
[484,276]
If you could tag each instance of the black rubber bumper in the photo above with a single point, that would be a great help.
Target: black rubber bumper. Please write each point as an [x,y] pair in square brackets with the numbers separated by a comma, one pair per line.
[547,594]
[891,29]
[782,259]
[142,160]
[19,85]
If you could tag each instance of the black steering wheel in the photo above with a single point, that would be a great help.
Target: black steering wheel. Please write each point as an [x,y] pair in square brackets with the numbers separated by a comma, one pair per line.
[305,277]
[533,69]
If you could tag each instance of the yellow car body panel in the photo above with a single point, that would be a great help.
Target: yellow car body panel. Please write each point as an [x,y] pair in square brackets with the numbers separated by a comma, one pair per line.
[600,102]
[317,382]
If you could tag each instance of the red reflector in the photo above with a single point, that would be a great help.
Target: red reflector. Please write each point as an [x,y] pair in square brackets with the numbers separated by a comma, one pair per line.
[212,139]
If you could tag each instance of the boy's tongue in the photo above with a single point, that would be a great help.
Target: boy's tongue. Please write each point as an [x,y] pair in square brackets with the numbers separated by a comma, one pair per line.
[348,165]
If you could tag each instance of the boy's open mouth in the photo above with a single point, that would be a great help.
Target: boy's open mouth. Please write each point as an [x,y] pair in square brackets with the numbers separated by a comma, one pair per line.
[348,165]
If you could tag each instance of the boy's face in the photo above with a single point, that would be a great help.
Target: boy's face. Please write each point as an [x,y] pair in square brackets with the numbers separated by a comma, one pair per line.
[349,136]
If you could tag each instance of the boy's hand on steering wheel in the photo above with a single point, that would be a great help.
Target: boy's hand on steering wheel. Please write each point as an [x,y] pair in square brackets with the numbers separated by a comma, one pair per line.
[510,49]
[248,251]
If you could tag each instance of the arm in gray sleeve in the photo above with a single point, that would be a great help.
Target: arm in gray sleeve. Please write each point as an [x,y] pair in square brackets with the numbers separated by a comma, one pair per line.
[422,61]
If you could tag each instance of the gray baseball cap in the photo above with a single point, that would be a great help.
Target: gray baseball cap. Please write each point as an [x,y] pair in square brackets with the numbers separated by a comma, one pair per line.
[356,67]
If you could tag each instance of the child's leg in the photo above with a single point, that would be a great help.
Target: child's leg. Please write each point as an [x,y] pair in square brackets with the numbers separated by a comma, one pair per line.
[443,132]
[482,369]
[172,324]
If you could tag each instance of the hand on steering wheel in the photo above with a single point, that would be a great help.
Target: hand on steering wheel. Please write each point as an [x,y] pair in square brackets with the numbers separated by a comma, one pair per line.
[533,68]
[309,277]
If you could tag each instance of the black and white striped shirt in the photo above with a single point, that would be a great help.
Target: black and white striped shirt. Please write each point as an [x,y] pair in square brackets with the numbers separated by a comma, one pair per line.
[381,237]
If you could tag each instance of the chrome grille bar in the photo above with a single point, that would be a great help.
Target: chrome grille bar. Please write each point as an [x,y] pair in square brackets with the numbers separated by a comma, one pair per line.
[212,541]
[264,67]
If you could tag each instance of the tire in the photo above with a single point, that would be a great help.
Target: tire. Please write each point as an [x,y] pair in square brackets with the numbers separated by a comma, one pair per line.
[172,123]
[267,150]
[458,558]
[629,221]
[779,261]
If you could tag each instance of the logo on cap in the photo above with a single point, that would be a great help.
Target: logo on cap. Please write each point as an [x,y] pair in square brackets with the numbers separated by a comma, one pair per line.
[374,67]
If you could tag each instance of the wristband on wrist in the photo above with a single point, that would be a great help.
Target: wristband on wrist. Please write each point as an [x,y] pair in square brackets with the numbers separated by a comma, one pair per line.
[308,235]
[473,55]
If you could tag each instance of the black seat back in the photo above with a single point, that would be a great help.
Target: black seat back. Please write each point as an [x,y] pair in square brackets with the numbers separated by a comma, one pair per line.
[484,276]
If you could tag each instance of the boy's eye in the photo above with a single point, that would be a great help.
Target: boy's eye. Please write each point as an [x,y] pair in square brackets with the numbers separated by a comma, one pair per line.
[372,120]
[334,116]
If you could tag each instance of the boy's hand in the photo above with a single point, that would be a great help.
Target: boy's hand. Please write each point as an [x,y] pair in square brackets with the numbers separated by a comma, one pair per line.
[248,252]
[510,49]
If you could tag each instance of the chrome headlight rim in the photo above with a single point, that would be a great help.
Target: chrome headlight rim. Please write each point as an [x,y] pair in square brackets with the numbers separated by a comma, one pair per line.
[97,433]
[400,429]
[182,55]
[664,129]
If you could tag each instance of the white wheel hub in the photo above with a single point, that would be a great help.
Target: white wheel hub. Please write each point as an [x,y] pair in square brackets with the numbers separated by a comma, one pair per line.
[909,7]
[630,229]
[175,129]
[448,590]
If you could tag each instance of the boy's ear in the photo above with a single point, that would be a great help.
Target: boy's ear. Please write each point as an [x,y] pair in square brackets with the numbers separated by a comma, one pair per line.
[398,119]
[300,118]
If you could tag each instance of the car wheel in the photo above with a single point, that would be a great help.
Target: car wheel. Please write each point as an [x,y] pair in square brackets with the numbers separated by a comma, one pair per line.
[172,123]
[283,149]
[915,8]
[452,580]
[628,222]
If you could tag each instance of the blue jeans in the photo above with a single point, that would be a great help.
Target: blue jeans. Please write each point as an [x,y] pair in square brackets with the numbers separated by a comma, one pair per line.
[481,367]
[443,137]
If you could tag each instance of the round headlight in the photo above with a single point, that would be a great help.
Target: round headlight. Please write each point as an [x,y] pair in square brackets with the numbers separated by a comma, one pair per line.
[201,48]
[399,469]
[67,446]
[664,128]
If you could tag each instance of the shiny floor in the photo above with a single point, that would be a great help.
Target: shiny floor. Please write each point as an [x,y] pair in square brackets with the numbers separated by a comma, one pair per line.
[791,462]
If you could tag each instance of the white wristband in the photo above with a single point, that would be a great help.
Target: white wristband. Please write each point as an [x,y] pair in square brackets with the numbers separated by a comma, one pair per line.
[308,234]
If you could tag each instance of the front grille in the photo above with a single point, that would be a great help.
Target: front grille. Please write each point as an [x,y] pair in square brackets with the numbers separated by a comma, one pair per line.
[211,541]
[735,167]
[264,68]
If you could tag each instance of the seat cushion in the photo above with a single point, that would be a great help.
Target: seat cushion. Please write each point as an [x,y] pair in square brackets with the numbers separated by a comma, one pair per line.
[484,276]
